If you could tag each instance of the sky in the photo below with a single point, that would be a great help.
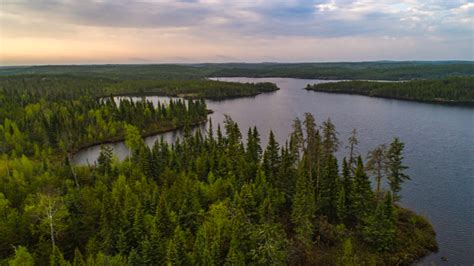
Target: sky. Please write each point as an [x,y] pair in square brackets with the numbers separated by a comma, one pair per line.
[190,31]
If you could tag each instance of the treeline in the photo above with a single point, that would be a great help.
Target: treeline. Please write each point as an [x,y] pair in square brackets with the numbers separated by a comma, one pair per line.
[381,70]
[449,90]
[351,71]
[41,114]
[53,87]
[70,125]
[208,89]
[211,199]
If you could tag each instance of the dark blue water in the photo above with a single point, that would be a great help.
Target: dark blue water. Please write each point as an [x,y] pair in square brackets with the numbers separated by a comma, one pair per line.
[439,148]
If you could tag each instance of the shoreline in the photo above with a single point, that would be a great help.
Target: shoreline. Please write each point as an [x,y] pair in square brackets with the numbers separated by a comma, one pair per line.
[146,134]
[415,238]
[440,102]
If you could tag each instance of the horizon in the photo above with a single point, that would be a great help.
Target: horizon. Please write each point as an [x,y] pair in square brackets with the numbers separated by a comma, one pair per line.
[237,62]
[60,32]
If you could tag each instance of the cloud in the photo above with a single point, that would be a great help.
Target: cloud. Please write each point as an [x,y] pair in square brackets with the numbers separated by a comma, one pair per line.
[219,28]
[295,18]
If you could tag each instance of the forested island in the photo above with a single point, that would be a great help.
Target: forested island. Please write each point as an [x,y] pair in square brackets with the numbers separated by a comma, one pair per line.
[211,198]
[455,90]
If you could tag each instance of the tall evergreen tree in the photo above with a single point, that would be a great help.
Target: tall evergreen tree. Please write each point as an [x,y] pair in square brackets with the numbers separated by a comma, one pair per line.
[377,165]
[304,207]
[271,158]
[362,195]
[353,142]
[396,168]
[105,159]
[329,189]
[330,140]
[379,230]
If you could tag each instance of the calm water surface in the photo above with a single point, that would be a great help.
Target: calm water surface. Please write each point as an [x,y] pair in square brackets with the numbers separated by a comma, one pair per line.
[439,148]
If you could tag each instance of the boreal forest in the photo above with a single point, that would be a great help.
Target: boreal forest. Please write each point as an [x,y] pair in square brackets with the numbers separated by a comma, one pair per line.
[454,90]
[211,198]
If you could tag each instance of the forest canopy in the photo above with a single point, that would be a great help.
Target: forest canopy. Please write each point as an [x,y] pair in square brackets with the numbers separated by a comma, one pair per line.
[448,90]
[380,70]
[210,198]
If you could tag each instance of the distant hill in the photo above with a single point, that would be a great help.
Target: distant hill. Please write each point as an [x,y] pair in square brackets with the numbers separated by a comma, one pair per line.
[380,70]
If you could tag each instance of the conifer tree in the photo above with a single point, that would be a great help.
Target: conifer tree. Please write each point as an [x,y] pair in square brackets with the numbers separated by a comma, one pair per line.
[379,230]
[353,142]
[78,258]
[330,140]
[235,257]
[377,165]
[297,138]
[329,188]
[345,204]
[304,207]
[271,158]
[362,195]
[57,258]
[22,258]
[105,159]
[396,168]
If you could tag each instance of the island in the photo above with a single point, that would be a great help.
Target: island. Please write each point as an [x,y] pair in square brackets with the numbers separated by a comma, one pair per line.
[454,90]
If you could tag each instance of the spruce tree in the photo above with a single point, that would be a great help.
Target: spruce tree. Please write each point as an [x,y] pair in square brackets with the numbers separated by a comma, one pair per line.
[271,158]
[22,258]
[396,168]
[304,207]
[362,195]
[105,159]
[330,140]
[329,189]
[379,230]
[353,142]
[377,165]
[345,204]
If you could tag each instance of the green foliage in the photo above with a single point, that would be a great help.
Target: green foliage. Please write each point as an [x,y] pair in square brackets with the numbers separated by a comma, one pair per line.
[57,259]
[362,195]
[343,70]
[396,175]
[359,70]
[379,230]
[22,258]
[304,207]
[203,200]
[448,90]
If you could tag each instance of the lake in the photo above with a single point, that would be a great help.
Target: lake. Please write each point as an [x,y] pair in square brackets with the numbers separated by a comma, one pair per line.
[439,148]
